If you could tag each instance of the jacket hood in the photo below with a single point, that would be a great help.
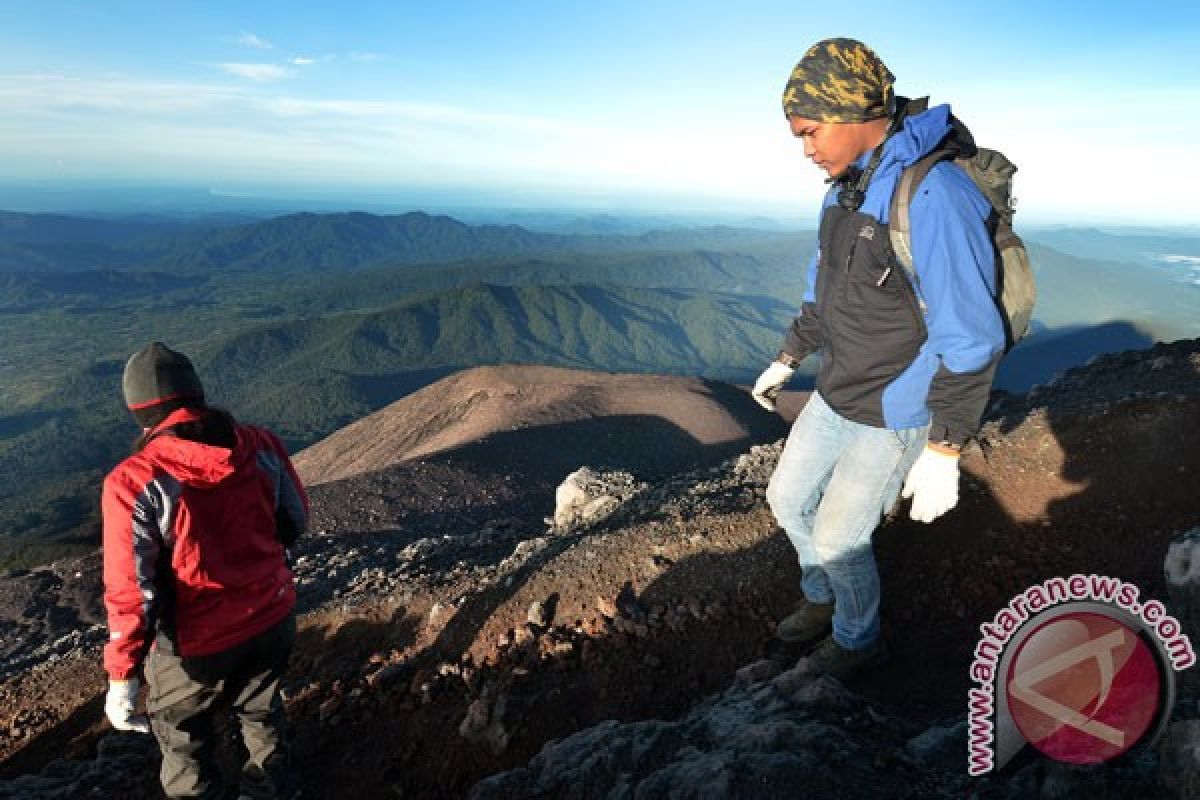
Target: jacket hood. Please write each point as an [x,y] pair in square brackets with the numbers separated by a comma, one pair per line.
[918,136]
[921,131]
[195,464]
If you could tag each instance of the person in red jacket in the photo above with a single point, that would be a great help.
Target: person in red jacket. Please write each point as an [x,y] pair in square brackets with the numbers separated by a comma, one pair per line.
[197,587]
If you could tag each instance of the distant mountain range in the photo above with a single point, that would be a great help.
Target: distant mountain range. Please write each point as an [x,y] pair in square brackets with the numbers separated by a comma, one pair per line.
[63,229]
[1092,243]
[321,242]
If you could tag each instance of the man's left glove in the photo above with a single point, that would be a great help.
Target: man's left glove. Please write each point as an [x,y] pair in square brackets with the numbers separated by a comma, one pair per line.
[932,484]
[119,705]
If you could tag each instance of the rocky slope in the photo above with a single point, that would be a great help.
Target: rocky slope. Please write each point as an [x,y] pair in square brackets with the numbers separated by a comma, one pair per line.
[450,633]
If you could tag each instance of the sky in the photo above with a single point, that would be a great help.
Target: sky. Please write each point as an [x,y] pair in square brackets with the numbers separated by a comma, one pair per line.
[654,106]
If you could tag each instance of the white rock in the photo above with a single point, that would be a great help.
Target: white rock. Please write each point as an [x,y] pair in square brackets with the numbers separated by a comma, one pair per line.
[1182,564]
[1182,569]
[571,495]
[586,497]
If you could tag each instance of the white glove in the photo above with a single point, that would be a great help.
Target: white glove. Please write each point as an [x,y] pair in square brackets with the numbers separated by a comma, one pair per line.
[119,705]
[770,384]
[932,484]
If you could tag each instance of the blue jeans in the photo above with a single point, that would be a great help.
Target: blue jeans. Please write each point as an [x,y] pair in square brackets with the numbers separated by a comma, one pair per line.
[834,482]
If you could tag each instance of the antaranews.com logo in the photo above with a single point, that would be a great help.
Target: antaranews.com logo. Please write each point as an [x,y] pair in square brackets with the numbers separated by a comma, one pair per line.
[1076,667]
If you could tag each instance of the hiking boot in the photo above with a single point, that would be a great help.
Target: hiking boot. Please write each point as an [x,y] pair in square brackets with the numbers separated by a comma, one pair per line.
[295,796]
[275,780]
[831,658]
[806,624]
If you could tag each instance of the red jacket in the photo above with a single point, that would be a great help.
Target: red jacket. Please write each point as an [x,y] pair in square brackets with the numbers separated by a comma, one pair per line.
[191,546]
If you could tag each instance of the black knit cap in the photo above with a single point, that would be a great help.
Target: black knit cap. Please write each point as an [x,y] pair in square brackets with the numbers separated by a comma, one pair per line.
[157,374]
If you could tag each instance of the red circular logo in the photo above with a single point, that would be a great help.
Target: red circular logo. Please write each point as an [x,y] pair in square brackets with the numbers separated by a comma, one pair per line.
[1083,688]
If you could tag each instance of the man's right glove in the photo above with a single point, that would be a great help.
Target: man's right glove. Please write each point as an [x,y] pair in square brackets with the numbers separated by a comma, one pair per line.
[932,484]
[770,384]
[119,705]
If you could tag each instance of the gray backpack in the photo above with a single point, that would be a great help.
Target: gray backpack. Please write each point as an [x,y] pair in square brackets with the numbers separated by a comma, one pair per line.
[992,173]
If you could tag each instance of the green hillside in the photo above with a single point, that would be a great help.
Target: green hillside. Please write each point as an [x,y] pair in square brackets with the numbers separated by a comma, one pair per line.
[338,360]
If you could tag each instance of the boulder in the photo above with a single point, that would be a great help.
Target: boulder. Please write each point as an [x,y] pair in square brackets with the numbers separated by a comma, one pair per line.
[1182,569]
[586,497]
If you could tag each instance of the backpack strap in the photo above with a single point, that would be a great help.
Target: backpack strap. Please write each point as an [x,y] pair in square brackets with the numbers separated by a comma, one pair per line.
[899,221]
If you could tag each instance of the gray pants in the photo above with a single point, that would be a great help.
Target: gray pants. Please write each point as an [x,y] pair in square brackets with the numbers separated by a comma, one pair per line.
[185,696]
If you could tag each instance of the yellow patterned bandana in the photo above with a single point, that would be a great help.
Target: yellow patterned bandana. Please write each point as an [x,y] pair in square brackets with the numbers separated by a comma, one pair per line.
[839,80]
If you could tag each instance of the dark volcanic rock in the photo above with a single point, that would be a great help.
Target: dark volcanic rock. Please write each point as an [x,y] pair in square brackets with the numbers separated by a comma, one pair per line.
[24,596]
[122,760]
[1164,370]
[761,740]
[50,613]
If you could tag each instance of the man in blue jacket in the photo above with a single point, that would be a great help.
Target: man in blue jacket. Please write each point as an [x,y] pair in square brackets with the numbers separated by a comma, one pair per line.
[905,369]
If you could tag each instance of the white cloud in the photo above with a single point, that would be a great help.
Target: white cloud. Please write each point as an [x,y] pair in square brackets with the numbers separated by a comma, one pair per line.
[32,96]
[257,72]
[1078,159]
[424,113]
[250,133]
[247,39]
[301,61]
[254,131]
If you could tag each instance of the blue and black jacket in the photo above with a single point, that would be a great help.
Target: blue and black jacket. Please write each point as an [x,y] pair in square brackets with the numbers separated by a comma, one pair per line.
[884,361]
